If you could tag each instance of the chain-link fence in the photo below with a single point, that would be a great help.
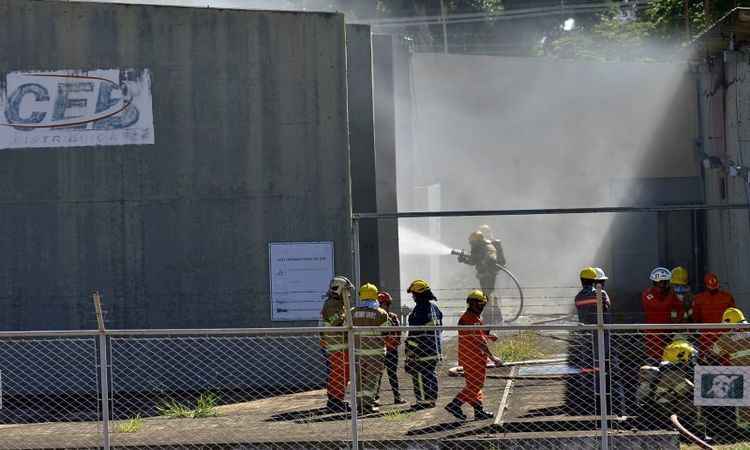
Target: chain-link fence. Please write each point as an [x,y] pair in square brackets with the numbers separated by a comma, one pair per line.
[467,386]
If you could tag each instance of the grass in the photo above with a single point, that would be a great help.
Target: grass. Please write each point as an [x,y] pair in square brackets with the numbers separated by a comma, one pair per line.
[520,347]
[397,415]
[130,426]
[205,406]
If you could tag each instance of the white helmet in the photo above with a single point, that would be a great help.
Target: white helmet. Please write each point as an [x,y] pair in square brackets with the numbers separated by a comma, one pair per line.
[338,284]
[661,274]
[600,275]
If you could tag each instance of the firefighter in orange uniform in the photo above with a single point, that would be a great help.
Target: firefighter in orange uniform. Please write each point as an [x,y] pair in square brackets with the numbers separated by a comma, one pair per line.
[472,355]
[333,314]
[709,307]
[660,305]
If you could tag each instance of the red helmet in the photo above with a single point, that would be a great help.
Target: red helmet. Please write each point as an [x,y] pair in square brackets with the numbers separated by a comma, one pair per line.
[384,297]
[711,280]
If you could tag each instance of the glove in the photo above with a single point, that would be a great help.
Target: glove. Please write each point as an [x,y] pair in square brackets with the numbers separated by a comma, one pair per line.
[463,258]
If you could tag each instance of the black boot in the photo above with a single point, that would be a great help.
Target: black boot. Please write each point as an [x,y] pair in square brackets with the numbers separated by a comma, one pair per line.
[454,407]
[397,400]
[335,405]
[481,414]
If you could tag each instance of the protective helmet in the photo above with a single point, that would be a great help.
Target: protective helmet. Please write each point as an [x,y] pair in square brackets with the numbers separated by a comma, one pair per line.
[711,281]
[338,284]
[660,274]
[368,291]
[677,352]
[733,315]
[418,286]
[588,273]
[384,298]
[680,276]
[485,230]
[600,275]
[477,296]
[476,236]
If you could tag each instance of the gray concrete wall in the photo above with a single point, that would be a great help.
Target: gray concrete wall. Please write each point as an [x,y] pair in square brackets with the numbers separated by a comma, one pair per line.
[251,147]
[362,144]
[515,133]
[384,55]
[725,99]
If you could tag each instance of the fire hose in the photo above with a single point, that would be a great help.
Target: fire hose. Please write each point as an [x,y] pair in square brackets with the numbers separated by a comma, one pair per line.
[462,253]
[684,431]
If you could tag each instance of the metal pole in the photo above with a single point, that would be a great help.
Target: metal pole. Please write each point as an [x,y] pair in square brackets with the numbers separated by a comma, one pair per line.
[602,367]
[105,389]
[103,372]
[445,26]
[356,257]
[353,378]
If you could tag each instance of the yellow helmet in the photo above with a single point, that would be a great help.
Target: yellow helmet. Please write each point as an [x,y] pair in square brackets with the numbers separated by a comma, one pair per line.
[680,276]
[679,351]
[588,273]
[733,315]
[476,237]
[476,295]
[368,291]
[418,286]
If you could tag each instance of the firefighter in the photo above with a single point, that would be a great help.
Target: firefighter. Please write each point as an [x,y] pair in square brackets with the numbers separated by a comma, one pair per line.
[473,353]
[392,343]
[485,255]
[734,348]
[423,347]
[584,353]
[668,388]
[709,307]
[333,314]
[681,288]
[660,305]
[370,347]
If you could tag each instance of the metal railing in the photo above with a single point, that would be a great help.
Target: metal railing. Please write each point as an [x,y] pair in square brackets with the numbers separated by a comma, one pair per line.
[584,386]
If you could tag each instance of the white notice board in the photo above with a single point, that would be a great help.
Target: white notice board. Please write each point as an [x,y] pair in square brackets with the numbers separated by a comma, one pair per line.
[300,273]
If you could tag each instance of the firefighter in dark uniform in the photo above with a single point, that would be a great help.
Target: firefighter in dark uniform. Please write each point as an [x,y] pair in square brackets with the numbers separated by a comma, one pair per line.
[583,389]
[423,347]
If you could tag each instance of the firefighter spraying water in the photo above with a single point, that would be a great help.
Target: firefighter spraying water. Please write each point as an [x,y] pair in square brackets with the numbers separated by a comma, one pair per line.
[488,258]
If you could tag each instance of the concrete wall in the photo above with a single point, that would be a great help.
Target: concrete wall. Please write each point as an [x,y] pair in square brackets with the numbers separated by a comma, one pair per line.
[725,106]
[384,54]
[362,144]
[515,133]
[251,147]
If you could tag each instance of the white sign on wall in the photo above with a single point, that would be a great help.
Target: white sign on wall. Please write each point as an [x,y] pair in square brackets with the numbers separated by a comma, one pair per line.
[76,108]
[722,386]
[300,273]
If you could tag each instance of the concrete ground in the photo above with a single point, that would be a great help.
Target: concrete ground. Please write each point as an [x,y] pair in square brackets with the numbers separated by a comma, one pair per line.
[299,421]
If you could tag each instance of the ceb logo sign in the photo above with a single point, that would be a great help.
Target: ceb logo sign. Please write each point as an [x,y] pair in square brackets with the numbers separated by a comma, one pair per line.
[51,104]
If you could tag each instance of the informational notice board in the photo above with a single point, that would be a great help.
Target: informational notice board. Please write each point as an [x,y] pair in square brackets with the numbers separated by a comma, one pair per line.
[300,274]
[722,386]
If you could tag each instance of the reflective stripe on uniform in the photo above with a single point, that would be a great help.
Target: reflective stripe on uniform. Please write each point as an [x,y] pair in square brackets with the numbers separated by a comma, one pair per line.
[739,354]
[429,358]
[332,348]
[420,385]
[370,351]
[586,302]
[411,343]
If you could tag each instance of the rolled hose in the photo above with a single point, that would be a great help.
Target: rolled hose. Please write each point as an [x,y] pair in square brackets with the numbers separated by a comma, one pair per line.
[520,293]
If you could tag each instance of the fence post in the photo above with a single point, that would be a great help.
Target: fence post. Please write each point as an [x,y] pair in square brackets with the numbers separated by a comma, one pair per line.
[103,372]
[602,367]
[353,378]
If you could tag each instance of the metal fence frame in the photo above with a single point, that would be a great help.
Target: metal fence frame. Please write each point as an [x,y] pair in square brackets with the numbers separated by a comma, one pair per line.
[105,364]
